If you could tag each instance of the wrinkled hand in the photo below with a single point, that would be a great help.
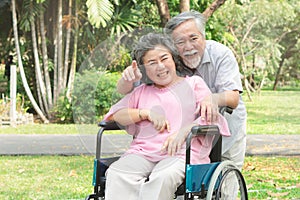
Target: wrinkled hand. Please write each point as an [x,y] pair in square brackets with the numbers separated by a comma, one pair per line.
[209,109]
[132,73]
[159,121]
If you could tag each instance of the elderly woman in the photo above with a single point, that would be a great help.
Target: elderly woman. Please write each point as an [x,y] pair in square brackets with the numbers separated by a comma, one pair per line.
[159,114]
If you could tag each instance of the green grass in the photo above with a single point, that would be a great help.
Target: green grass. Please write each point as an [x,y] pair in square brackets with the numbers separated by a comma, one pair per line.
[274,112]
[60,178]
[46,177]
[271,112]
[272,177]
[50,129]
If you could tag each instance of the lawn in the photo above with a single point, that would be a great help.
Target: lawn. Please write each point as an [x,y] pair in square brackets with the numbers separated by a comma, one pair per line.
[271,112]
[60,178]
[274,112]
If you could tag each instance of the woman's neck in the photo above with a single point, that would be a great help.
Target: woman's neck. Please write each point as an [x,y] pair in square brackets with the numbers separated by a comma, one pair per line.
[176,80]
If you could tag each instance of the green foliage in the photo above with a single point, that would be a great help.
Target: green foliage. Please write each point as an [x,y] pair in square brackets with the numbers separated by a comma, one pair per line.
[124,19]
[99,12]
[149,14]
[106,94]
[62,112]
[30,11]
[20,105]
[121,60]
[95,92]
[255,31]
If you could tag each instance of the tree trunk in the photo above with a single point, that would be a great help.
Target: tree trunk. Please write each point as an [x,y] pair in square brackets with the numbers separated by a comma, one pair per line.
[163,10]
[184,5]
[20,63]
[67,49]
[45,59]
[55,95]
[59,50]
[212,8]
[278,73]
[38,91]
[39,77]
[74,57]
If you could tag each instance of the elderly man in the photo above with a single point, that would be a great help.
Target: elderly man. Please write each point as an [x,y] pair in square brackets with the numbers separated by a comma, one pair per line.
[216,64]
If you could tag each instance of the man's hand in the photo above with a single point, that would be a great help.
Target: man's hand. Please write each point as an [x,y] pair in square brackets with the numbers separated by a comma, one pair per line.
[209,109]
[132,73]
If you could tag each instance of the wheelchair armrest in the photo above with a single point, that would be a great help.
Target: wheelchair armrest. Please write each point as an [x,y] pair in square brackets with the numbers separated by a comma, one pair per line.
[205,130]
[109,125]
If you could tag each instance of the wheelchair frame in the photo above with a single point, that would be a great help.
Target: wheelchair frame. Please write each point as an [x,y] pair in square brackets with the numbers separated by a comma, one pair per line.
[212,175]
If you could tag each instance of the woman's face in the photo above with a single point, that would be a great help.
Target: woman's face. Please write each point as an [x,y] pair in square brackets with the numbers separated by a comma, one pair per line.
[190,43]
[160,66]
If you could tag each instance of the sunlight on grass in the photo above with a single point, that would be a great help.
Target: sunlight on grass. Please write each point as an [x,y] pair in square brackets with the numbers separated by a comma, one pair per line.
[60,178]
[51,129]
[272,177]
[274,112]
[46,177]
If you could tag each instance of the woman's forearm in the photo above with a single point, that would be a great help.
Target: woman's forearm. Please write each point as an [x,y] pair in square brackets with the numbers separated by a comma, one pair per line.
[129,116]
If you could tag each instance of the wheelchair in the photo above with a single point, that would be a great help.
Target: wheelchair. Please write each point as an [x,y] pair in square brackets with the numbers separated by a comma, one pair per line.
[202,181]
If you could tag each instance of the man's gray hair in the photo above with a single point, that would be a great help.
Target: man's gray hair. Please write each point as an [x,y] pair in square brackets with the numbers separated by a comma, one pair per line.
[174,22]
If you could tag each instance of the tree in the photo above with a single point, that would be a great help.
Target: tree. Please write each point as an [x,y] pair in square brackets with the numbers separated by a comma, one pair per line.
[20,64]
[33,13]
[163,10]
[213,7]
[254,32]
[184,5]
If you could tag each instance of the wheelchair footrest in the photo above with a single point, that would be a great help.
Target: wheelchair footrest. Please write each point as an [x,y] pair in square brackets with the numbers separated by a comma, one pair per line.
[198,176]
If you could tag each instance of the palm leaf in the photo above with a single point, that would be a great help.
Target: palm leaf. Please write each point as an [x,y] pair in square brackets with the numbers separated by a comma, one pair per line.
[99,12]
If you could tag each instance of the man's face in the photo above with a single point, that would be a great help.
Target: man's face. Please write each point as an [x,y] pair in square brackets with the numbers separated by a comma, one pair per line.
[190,43]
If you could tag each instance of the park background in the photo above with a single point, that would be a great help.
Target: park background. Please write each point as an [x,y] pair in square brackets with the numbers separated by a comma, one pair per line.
[69,55]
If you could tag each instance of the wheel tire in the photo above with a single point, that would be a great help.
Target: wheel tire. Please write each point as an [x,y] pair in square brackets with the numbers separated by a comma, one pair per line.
[224,169]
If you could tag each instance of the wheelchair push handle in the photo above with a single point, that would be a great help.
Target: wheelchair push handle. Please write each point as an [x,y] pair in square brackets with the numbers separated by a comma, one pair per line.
[226,109]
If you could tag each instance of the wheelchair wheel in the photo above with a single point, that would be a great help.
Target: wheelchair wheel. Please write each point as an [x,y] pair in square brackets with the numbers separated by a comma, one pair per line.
[227,182]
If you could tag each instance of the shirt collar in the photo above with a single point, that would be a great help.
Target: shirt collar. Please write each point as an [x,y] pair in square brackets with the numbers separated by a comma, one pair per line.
[205,57]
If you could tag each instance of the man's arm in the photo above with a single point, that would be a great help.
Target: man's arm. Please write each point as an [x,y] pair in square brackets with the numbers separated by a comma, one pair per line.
[209,107]
[228,98]
[130,75]
[123,86]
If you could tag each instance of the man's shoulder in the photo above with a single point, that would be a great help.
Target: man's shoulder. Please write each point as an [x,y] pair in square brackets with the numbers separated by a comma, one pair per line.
[217,49]
[212,45]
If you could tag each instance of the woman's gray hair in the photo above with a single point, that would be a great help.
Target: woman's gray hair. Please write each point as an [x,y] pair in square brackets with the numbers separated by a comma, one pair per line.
[149,42]
[174,22]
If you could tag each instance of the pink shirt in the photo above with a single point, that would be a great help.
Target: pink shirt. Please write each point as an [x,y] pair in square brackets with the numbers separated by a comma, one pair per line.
[178,103]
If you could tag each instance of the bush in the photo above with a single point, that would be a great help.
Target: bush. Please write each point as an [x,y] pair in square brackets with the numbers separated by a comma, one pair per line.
[62,112]
[94,93]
